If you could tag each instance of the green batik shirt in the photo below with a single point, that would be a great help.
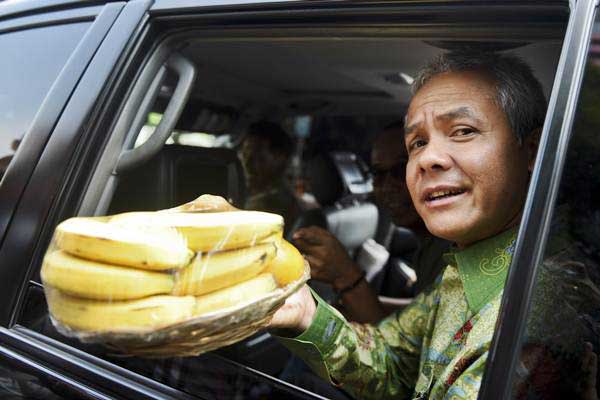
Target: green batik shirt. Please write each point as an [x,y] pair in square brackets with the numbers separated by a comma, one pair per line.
[435,348]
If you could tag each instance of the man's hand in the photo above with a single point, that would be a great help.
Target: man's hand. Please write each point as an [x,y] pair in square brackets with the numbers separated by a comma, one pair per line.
[297,313]
[328,259]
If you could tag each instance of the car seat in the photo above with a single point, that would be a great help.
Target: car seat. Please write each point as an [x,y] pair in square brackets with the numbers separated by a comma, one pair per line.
[342,186]
[340,183]
[178,174]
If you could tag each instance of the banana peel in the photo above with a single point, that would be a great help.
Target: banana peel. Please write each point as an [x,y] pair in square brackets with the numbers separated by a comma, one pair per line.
[94,280]
[212,231]
[142,315]
[146,248]
[288,264]
[235,295]
[213,271]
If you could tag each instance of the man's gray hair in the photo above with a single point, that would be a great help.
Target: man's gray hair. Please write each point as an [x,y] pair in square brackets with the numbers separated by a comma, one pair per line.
[518,92]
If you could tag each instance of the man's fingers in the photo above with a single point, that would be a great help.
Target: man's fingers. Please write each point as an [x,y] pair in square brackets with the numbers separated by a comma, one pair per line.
[306,245]
[296,313]
[312,235]
[314,262]
[285,317]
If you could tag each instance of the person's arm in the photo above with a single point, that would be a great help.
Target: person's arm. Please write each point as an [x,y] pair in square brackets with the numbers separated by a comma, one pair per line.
[330,263]
[370,362]
[360,302]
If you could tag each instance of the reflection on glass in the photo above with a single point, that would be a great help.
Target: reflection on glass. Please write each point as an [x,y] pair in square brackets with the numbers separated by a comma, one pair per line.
[559,353]
[23,84]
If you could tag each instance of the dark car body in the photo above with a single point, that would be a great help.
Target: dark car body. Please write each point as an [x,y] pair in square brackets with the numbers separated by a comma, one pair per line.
[61,167]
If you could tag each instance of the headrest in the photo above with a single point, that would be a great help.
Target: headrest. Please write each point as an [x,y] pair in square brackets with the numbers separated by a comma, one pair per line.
[353,173]
[324,180]
[338,175]
[178,174]
[352,225]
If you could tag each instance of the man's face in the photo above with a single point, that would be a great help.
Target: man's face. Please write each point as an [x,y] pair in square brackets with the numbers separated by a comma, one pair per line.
[467,173]
[262,166]
[388,159]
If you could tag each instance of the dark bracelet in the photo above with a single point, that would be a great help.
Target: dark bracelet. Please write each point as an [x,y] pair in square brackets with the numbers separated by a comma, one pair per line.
[352,286]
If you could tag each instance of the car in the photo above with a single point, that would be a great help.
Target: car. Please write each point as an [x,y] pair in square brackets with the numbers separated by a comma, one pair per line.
[142,105]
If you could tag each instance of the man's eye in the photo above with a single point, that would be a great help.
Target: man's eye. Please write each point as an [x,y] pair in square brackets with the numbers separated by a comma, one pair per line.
[415,144]
[464,132]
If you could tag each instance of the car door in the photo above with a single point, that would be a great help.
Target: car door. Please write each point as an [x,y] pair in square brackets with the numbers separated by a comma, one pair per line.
[37,365]
[62,175]
[66,53]
[552,287]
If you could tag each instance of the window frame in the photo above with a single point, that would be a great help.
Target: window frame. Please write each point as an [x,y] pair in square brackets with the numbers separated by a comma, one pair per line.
[70,359]
[34,140]
[49,189]
[539,207]
[38,205]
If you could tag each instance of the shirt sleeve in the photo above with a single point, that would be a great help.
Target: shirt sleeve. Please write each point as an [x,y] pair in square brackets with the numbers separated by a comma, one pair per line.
[370,362]
[466,385]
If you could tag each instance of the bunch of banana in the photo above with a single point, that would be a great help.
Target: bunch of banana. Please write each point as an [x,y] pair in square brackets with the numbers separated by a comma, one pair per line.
[142,271]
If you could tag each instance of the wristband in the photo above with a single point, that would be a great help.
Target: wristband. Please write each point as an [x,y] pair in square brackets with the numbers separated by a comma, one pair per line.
[354,284]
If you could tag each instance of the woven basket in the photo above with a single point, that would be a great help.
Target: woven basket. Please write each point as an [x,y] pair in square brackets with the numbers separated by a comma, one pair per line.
[197,335]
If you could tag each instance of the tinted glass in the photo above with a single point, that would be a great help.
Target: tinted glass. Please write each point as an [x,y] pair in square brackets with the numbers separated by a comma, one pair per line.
[31,62]
[558,357]
[18,381]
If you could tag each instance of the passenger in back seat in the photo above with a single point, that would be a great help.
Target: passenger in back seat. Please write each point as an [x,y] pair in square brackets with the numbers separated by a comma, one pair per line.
[329,261]
[265,155]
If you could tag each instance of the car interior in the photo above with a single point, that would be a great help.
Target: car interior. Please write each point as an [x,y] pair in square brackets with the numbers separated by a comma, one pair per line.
[332,94]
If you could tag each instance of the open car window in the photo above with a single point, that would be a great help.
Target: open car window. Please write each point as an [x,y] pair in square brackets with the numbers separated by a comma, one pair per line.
[348,86]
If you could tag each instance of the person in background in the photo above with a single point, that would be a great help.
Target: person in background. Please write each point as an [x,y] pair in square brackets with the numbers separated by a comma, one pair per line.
[265,154]
[329,260]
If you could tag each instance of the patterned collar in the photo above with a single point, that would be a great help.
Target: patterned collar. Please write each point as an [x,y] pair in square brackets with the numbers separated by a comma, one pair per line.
[483,267]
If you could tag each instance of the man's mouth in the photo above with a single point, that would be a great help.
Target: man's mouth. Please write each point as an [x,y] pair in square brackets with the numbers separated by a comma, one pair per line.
[437,195]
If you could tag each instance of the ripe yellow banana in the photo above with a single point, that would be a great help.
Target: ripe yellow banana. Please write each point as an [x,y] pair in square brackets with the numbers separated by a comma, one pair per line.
[141,315]
[213,271]
[249,290]
[213,231]
[94,280]
[288,265]
[146,248]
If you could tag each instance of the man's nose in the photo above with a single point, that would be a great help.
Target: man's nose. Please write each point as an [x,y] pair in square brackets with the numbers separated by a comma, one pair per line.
[434,157]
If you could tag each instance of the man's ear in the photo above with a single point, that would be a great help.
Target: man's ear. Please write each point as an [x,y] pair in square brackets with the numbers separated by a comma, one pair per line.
[532,142]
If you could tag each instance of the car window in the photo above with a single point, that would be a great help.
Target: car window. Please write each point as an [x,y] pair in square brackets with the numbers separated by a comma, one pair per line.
[23,84]
[558,355]
[326,171]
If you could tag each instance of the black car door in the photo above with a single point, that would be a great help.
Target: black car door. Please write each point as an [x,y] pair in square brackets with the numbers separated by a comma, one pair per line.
[69,151]
[552,287]
[57,60]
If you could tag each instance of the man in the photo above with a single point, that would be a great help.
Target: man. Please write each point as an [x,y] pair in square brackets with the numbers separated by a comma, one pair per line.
[265,153]
[329,260]
[471,136]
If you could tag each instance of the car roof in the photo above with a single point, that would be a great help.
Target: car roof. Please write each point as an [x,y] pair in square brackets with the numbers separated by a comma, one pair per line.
[337,75]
